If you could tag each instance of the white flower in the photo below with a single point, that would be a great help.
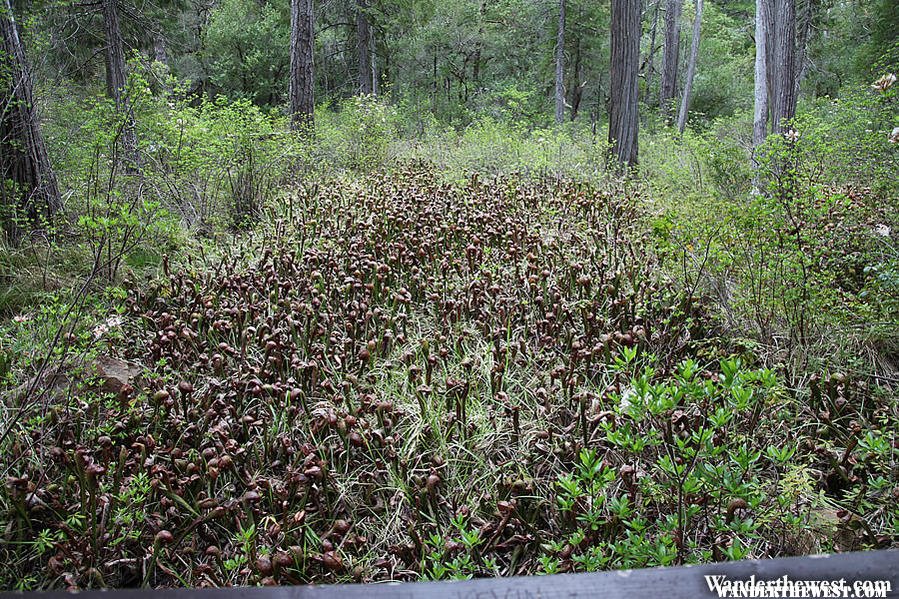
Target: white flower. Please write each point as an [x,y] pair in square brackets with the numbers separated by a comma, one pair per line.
[792,135]
[894,136]
[626,398]
[884,83]
[103,328]
[882,230]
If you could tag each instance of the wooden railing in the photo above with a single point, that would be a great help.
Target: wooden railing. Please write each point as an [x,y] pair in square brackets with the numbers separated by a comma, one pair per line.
[665,583]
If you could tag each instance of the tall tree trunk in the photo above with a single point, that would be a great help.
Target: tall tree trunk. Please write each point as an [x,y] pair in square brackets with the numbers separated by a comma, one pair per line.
[803,33]
[363,47]
[691,69]
[479,46]
[23,153]
[116,81]
[762,37]
[577,93]
[560,65]
[770,55]
[670,55]
[623,92]
[302,101]
[382,65]
[785,71]
[651,59]
[115,52]
[160,54]
[435,87]
[375,68]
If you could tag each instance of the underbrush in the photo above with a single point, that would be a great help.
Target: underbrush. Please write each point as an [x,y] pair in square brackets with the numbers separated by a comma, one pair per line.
[496,147]
[800,255]
[400,378]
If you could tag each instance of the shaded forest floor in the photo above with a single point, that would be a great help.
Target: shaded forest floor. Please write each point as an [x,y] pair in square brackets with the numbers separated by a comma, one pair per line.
[398,378]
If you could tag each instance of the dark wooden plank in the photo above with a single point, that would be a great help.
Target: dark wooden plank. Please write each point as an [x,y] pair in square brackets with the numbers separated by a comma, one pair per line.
[667,583]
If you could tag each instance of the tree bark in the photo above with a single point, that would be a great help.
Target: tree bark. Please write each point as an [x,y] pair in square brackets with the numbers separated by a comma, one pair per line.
[577,93]
[560,65]
[160,53]
[115,52]
[363,47]
[785,74]
[479,46]
[651,59]
[670,56]
[302,101]
[770,55]
[375,68]
[116,81]
[623,92]
[762,37]
[23,152]
[803,33]
[691,69]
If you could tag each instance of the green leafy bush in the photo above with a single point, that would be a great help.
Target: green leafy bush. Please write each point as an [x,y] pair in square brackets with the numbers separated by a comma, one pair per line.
[805,264]
[212,165]
[695,472]
[355,134]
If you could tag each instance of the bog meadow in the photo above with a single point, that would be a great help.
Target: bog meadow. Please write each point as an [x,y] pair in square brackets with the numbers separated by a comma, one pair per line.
[395,290]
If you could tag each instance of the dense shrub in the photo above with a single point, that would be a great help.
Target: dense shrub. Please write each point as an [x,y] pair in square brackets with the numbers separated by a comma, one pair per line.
[214,164]
[355,134]
[806,264]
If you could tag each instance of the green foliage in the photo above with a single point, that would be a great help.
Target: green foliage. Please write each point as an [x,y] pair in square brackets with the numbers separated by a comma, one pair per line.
[356,134]
[881,48]
[812,257]
[497,146]
[221,162]
[457,555]
[212,165]
[723,85]
[245,47]
[688,465]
